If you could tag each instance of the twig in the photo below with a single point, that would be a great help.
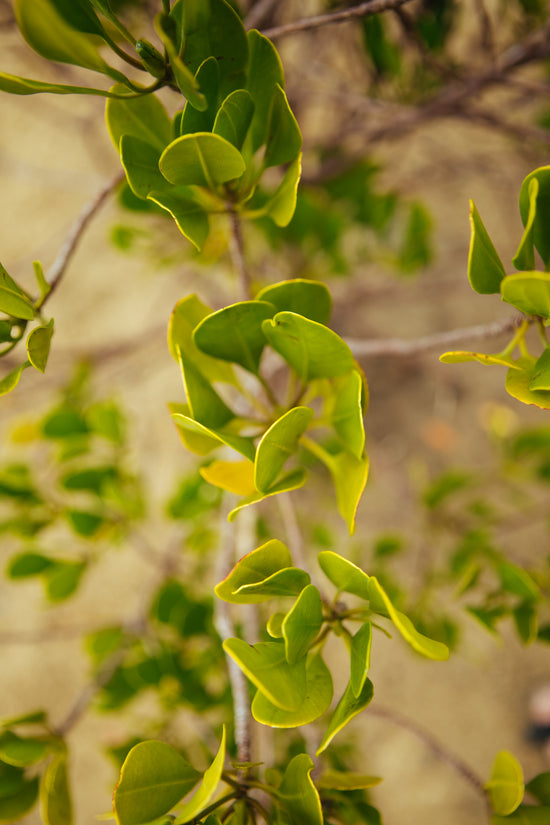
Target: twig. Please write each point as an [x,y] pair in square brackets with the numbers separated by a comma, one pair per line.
[236,249]
[57,269]
[309,23]
[401,347]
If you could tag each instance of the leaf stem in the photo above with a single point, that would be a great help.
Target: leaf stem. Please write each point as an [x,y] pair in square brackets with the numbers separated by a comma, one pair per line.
[236,250]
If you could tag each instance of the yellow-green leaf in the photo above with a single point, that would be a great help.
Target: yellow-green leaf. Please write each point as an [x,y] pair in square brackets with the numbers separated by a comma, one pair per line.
[348,707]
[505,787]
[38,345]
[55,797]
[266,666]
[206,789]
[316,701]
[485,269]
[298,795]
[278,444]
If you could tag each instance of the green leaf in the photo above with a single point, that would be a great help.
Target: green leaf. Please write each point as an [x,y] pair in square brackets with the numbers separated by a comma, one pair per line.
[278,444]
[541,372]
[233,476]
[234,117]
[15,806]
[275,625]
[205,404]
[43,285]
[265,664]
[360,657]
[13,300]
[526,621]
[84,523]
[348,707]
[141,164]
[528,292]
[515,580]
[288,482]
[312,350]
[154,777]
[346,781]
[525,815]
[186,315]
[460,356]
[518,384]
[282,203]
[316,701]
[11,380]
[206,789]
[261,574]
[38,346]
[195,120]
[36,717]
[188,85]
[283,138]
[235,333]
[415,250]
[485,269]
[380,603]
[265,71]
[541,220]
[297,794]
[349,476]
[55,799]
[15,85]
[311,299]
[191,218]
[63,578]
[201,439]
[539,787]
[302,624]
[201,159]
[22,752]
[144,118]
[345,575]
[346,414]
[525,256]
[505,786]
[12,780]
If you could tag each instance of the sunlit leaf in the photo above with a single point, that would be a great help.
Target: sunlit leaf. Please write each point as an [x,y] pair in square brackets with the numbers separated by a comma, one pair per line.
[203,439]
[235,333]
[360,657]
[141,164]
[190,216]
[15,85]
[206,406]
[485,269]
[13,301]
[154,777]
[38,346]
[261,574]
[16,805]
[346,781]
[505,786]
[266,666]
[286,483]
[283,138]
[22,752]
[345,575]
[541,372]
[518,384]
[525,256]
[202,159]
[317,699]
[298,795]
[144,118]
[347,412]
[281,205]
[349,476]
[542,215]
[11,380]
[207,788]
[234,117]
[348,707]
[311,299]
[278,444]
[302,623]
[459,357]
[55,798]
[186,315]
[234,476]
[528,292]
[265,70]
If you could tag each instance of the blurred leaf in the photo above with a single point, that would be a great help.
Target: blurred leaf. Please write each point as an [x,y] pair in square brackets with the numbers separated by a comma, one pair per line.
[541,219]
[263,573]
[13,301]
[28,564]
[539,787]
[202,159]
[311,299]
[445,486]
[22,752]
[360,648]
[416,247]
[234,333]
[460,356]
[302,624]
[278,444]
[524,815]
[84,523]
[55,798]
[265,664]
[525,256]
[38,346]
[16,805]
[515,580]
[385,55]
[518,384]
[505,786]
[526,621]
[298,795]
[485,269]
[206,789]
[528,292]
[346,781]
[64,422]
[348,707]
[283,138]
[265,70]
[62,579]
[11,380]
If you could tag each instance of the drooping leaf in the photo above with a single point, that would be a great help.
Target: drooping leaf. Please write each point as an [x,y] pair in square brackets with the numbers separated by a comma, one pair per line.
[459,357]
[380,602]
[11,380]
[348,707]
[345,575]
[201,439]
[234,117]
[235,333]
[312,350]
[525,256]
[278,444]
[283,138]
[485,269]
[55,798]
[265,70]
[311,299]
[360,657]
[347,412]
[281,204]
[27,564]
[38,346]
[201,159]
[286,483]
[302,623]
[16,805]
[542,214]
[234,476]
[349,476]
[258,568]
[346,781]
[528,292]
[266,666]
[154,777]
[190,216]
[505,786]
[541,372]
[144,118]
[298,795]
[13,301]
[518,384]
[207,788]
[317,699]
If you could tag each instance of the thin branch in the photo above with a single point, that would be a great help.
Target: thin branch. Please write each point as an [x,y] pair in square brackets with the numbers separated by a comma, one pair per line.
[308,23]
[401,347]
[236,249]
[57,269]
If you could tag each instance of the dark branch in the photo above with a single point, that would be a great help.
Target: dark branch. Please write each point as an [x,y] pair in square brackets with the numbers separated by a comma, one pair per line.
[356,12]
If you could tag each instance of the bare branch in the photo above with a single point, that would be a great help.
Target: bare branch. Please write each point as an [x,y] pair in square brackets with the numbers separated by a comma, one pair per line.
[440,340]
[309,23]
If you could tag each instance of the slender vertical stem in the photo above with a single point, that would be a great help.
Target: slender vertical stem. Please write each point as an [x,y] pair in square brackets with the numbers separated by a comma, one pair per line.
[236,250]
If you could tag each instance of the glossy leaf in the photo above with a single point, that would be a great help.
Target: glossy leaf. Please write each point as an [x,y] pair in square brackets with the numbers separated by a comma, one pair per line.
[15,85]
[235,333]
[298,795]
[312,350]
[22,752]
[195,120]
[187,83]
[349,476]
[186,315]
[38,346]
[144,118]
[460,357]
[154,777]
[13,300]
[288,482]
[541,372]
[275,625]
[256,574]
[485,269]
[141,164]
[525,256]
[206,406]
[233,476]
[528,291]
[346,781]
[518,384]
[207,788]
[311,299]
[16,805]
[43,285]
[55,798]
[281,204]
[360,657]
[505,786]
[380,603]
[202,159]
[302,624]
[348,707]
[283,138]
[316,701]
[278,444]
[347,412]
[345,575]
[234,117]
[191,218]
[265,70]
[201,439]
[542,215]
[266,666]
[11,380]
